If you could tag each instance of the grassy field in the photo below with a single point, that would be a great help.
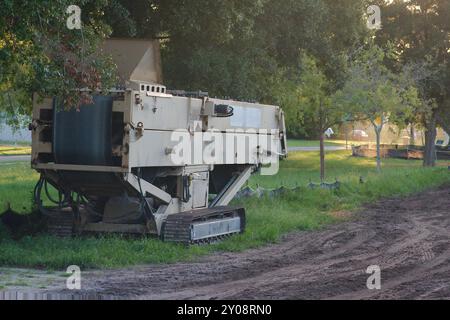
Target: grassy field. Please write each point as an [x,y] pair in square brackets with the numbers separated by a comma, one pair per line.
[6,150]
[17,181]
[268,219]
[16,186]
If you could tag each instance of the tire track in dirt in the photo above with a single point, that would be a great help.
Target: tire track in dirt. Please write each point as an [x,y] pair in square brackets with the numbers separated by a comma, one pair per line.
[408,238]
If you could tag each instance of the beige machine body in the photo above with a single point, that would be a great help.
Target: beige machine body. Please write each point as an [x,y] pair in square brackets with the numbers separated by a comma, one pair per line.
[172,153]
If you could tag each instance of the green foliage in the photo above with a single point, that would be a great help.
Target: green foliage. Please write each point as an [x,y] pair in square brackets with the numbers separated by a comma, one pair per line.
[242,49]
[375,94]
[317,98]
[420,32]
[372,92]
[231,48]
[312,102]
[39,54]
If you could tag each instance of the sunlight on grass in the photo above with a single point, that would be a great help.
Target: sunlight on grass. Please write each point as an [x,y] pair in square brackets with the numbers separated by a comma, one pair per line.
[303,167]
[14,151]
[316,143]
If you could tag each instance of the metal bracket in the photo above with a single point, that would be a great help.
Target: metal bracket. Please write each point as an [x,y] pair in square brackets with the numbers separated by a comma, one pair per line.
[149,188]
[230,191]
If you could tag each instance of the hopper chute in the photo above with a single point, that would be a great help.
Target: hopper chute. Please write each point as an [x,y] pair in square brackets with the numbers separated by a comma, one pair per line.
[137,60]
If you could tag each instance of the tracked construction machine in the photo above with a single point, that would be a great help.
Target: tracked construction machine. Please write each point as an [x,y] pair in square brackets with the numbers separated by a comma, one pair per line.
[142,159]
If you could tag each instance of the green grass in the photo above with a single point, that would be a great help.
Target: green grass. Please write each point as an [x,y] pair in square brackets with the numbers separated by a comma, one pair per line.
[14,150]
[16,186]
[268,219]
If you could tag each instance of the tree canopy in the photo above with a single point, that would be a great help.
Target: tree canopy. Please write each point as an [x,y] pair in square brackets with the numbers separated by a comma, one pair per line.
[242,49]
[420,32]
[373,93]
[231,48]
[40,54]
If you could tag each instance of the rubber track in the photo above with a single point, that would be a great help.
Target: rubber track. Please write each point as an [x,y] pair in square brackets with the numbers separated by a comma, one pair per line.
[60,224]
[177,227]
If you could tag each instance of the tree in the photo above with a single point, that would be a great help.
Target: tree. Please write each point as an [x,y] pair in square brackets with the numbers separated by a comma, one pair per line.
[309,101]
[315,101]
[375,94]
[421,28]
[423,75]
[325,30]
[40,54]
[232,48]
[211,45]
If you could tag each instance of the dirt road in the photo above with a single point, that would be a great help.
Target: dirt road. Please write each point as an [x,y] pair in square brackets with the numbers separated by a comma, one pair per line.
[409,239]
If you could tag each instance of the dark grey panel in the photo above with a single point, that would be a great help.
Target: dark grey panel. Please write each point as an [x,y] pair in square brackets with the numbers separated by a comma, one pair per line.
[84,137]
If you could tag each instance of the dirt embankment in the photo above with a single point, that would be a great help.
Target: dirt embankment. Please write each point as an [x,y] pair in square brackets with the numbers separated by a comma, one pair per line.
[408,238]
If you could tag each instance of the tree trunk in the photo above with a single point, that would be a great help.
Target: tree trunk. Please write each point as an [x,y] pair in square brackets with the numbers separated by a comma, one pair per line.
[322,156]
[346,136]
[378,134]
[429,157]
[443,118]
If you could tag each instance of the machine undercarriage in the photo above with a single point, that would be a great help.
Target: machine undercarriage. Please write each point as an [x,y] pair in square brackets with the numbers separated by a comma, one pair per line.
[88,203]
